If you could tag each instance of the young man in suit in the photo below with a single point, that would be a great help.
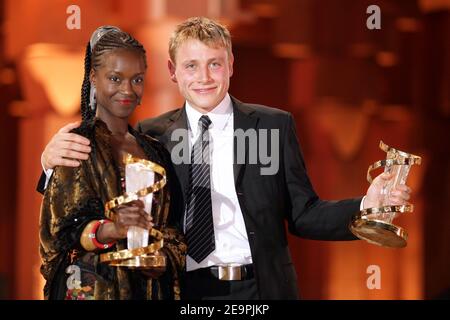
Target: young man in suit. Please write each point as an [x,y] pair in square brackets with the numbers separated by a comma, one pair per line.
[235,205]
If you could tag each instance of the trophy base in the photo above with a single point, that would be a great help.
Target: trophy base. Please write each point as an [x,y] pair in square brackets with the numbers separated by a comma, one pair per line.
[379,232]
[141,262]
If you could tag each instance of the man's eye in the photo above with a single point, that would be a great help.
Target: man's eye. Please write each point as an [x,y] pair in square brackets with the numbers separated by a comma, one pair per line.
[190,66]
[138,80]
[114,79]
[215,65]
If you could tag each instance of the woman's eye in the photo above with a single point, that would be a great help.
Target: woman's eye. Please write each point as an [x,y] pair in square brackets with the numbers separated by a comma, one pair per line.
[114,79]
[138,80]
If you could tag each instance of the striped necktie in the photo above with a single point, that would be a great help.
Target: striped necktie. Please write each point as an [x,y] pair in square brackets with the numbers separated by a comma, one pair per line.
[199,224]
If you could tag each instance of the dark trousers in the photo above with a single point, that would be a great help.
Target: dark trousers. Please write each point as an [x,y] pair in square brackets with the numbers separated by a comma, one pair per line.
[201,284]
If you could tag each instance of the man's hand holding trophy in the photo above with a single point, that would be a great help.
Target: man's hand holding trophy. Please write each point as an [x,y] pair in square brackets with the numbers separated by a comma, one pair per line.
[385,200]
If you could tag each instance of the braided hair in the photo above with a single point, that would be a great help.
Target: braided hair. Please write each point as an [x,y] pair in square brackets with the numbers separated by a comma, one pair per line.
[111,40]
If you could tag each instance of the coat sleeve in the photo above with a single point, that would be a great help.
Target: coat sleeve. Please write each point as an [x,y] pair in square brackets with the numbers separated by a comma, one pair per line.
[70,202]
[309,216]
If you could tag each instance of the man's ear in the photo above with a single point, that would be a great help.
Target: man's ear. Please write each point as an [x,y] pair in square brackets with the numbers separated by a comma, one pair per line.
[230,64]
[171,67]
[92,78]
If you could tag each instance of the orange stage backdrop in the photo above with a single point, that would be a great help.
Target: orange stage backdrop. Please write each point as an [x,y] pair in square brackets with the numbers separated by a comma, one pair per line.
[347,86]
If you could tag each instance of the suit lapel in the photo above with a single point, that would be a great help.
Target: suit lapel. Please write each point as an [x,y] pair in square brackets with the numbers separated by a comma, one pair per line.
[178,121]
[245,120]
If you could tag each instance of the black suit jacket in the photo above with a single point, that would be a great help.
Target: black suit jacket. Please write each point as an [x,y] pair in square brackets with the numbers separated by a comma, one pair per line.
[267,201]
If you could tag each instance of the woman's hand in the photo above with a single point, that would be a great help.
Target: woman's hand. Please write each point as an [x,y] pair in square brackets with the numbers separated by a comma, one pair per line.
[129,215]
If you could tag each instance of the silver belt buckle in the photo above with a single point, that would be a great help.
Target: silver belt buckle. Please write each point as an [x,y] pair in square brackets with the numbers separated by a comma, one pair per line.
[230,272]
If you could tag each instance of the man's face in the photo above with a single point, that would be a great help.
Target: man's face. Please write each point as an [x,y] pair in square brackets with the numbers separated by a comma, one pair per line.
[202,74]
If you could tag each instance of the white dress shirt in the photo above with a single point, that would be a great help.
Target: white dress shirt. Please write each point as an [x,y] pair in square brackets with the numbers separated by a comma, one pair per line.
[232,244]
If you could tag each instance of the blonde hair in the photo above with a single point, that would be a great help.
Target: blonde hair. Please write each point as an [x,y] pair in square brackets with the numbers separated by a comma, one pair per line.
[208,31]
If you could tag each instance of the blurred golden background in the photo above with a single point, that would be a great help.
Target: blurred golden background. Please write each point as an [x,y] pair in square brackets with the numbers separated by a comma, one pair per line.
[347,86]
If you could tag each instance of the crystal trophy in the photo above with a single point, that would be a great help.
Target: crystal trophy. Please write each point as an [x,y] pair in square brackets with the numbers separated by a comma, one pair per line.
[375,225]
[140,184]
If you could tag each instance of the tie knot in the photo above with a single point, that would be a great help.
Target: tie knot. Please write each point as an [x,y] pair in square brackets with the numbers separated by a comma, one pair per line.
[204,122]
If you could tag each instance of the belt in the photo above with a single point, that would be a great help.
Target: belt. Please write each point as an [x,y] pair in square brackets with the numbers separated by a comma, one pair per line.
[228,272]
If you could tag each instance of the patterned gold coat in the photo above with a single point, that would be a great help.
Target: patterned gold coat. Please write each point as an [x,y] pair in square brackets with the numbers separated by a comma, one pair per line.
[76,196]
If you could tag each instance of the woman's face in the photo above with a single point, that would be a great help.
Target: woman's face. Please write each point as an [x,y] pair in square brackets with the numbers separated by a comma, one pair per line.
[119,82]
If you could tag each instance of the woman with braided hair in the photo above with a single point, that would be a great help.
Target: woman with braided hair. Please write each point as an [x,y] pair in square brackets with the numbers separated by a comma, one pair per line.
[73,228]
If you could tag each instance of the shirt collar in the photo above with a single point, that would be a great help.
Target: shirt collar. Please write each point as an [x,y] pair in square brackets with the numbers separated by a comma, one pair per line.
[219,115]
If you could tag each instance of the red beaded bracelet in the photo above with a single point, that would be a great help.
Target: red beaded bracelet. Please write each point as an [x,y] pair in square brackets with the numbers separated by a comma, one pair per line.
[93,235]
